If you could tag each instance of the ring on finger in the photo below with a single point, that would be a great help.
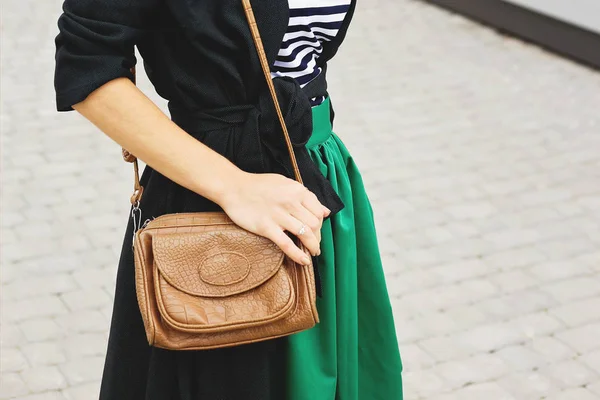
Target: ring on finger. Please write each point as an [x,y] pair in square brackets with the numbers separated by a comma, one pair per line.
[302,230]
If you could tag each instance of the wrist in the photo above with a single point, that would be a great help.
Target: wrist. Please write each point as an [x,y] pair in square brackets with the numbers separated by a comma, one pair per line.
[225,185]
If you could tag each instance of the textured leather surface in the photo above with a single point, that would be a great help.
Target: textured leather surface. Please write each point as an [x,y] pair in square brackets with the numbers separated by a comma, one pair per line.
[223,259]
[189,303]
[269,301]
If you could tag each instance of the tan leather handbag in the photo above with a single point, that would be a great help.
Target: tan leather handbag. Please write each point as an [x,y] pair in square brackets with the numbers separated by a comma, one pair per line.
[203,282]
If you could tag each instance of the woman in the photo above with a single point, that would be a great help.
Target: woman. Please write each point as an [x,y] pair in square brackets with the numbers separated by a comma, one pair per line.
[222,149]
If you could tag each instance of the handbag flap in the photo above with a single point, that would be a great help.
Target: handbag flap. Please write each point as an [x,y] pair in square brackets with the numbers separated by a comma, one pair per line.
[215,262]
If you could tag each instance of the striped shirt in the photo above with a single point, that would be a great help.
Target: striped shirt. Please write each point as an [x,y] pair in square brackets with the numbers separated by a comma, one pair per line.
[312,22]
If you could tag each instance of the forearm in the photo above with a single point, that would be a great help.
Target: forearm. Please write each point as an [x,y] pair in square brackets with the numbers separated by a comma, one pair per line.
[131,119]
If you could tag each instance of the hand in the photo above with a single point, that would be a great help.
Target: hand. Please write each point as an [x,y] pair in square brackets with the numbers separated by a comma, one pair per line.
[270,204]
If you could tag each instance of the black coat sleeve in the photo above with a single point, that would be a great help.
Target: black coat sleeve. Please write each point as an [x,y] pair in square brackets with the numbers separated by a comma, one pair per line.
[95,44]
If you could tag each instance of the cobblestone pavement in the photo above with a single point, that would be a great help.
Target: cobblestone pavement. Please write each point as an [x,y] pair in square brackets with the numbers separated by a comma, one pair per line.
[482,158]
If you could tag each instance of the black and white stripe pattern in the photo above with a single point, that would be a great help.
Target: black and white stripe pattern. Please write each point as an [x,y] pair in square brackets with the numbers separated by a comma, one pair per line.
[312,22]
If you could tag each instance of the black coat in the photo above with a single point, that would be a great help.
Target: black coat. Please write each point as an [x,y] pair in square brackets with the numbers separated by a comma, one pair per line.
[200,56]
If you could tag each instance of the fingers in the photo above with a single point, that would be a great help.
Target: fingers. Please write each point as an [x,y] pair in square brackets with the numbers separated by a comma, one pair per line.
[312,203]
[287,245]
[309,219]
[308,238]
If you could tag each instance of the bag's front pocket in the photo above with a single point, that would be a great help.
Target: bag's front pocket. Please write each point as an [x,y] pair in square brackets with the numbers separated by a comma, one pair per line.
[215,278]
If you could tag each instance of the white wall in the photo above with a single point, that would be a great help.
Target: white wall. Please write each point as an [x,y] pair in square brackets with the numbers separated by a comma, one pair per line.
[584,13]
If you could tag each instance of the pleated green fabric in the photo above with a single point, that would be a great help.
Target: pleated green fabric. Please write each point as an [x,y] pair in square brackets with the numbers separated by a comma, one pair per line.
[352,354]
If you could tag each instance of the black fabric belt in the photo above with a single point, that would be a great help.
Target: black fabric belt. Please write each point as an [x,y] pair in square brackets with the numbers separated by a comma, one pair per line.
[258,144]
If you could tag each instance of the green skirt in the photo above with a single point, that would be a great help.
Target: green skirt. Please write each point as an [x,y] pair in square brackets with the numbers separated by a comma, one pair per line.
[352,354]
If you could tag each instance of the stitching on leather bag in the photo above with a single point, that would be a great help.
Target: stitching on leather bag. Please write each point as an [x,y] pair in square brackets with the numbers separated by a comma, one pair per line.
[155,223]
[139,252]
[237,343]
[311,293]
[285,311]
[305,276]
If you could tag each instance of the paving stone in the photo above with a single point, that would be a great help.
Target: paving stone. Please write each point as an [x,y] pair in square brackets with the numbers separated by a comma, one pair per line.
[566,248]
[445,297]
[592,361]
[108,310]
[44,353]
[446,348]
[594,388]
[409,332]
[95,277]
[75,243]
[538,324]
[83,345]
[83,370]
[591,259]
[528,385]
[40,329]
[551,349]
[570,373]
[91,298]
[11,219]
[422,383]
[491,337]
[476,369]
[40,230]
[574,289]
[558,270]
[529,301]
[53,264]
[583,339]
[515,258]
[574,394]
[472,210]
[43,306]
[460,271]
[511,238]
[13,360]
[21,250]
[575,314]
[512,281]
[87,391]
[411,281]
[11,336]
[456,250]
[29,286]
[468,316]
[84,321]
[419,257]
[415,358]
[11,385]
[480,391]
[41,379]
[521,358]
[44,396]
[463,229]
[437,323]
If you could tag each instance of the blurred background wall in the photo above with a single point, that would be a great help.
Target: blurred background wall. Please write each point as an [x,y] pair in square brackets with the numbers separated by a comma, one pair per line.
[571,28]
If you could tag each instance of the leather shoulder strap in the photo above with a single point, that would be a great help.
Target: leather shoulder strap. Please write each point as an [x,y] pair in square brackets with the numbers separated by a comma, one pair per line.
[267,71]
[127,156]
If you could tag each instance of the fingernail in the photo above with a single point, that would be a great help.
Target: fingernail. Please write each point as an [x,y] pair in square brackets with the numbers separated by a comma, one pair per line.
[306,260]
